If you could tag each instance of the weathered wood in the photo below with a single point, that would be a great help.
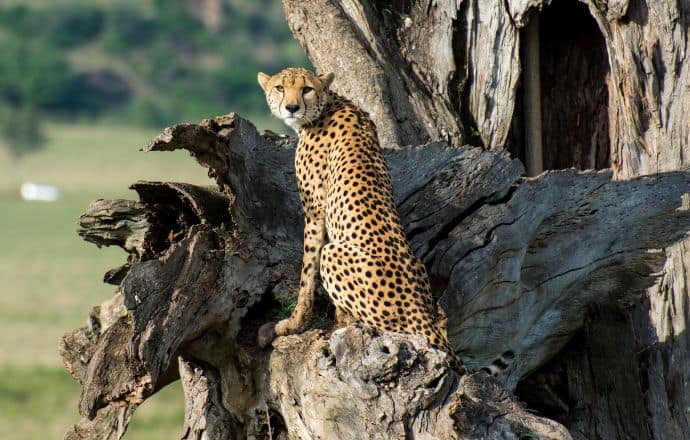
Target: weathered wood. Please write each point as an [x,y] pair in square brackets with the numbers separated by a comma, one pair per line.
[425,70]
[647,47]
[229,146]
[365,384]
[646,44]
[109,424]
[205,416]
[522,260]
[410,103]
[518,259]
[629,99]
[115,222]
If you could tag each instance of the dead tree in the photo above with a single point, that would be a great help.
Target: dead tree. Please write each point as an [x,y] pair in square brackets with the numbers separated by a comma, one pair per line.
[577,274]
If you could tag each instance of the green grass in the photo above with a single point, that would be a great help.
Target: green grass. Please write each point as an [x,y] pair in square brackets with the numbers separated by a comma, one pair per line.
[50,278]
[39,403]
[87,160]
[28,395]
[286,308]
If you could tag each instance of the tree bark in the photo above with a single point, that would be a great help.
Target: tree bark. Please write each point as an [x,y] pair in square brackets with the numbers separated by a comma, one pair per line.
[575,277]
[616,94]
[647,44]
[425,70]
[200,283]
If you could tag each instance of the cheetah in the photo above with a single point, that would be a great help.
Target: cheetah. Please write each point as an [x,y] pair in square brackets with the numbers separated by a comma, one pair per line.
[353,237]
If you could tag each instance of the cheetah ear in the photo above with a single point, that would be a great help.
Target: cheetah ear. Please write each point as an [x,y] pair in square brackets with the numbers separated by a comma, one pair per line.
[326,79]
[263,79]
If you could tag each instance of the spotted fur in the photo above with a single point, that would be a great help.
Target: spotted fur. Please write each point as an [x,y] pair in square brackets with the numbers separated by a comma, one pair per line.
[353,237]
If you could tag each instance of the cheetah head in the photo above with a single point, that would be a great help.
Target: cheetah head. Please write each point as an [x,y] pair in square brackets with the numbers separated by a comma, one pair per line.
[296,95]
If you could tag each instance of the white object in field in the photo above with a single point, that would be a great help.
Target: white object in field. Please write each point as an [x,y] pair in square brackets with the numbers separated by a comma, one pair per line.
[31,191]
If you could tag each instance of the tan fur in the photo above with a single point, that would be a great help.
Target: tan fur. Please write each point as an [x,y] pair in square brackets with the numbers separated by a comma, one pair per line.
[353,237]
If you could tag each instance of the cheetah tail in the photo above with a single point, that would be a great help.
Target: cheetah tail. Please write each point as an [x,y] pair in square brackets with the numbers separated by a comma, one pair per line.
[499,364]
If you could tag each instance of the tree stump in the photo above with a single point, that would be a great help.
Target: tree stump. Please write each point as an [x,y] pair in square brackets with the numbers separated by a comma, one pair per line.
[516,263]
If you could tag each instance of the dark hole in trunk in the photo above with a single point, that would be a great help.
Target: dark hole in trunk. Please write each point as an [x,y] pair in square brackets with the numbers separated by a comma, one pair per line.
[574,71]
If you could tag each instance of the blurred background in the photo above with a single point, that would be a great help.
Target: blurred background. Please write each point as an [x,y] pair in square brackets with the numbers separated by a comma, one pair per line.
[84,84]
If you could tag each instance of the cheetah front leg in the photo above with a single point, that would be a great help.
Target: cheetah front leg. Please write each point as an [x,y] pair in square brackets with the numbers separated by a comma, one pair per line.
[314,237]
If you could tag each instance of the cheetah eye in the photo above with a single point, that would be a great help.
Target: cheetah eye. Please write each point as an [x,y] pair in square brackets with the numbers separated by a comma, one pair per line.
[280,88]
[306,90]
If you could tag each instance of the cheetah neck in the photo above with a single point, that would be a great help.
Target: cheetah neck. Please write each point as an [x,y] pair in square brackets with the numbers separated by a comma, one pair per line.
[332,103]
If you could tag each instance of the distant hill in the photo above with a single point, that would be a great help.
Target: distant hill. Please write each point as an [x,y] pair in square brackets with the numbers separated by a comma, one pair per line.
[147,62]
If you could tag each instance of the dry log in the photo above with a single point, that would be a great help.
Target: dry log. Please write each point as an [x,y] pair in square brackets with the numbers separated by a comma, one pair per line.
[614,93]
[205,416]
[518,262]
[363,384]
[647,49]
[407,101]
[419,67]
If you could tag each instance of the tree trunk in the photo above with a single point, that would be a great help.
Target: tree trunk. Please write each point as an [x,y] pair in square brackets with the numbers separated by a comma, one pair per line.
[647,47]
[552,273]
[199,283]
[614,90]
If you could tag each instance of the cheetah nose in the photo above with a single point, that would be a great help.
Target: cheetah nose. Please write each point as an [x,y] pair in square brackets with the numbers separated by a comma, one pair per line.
[292,108]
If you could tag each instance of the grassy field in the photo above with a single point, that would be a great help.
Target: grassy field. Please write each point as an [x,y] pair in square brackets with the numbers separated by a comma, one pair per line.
[49,278]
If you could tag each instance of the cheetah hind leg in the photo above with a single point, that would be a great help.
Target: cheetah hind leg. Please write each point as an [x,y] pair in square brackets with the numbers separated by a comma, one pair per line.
[349,275]
[343,271]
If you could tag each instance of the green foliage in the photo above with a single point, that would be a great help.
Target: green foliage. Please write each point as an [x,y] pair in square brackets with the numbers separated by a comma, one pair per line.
[127,28]
[91,93]
[20,19]
[61,25]
[174,67]
[150,112]
[31,73]
[174,18]
[70,26]
[21,130]
[286,308]
[31,77]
